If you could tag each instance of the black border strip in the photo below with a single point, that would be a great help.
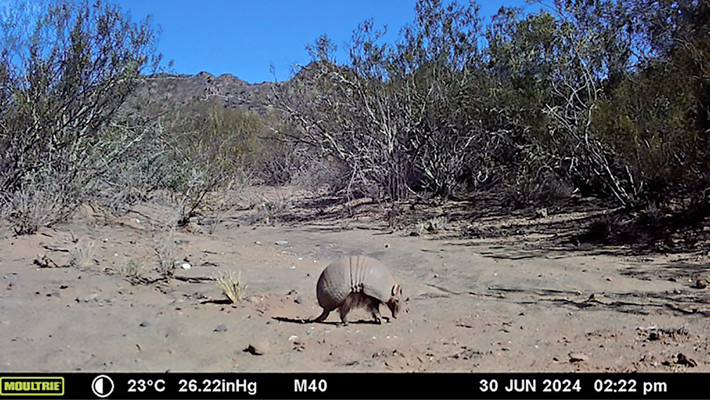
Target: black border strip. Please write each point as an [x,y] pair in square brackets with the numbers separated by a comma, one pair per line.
[295,385]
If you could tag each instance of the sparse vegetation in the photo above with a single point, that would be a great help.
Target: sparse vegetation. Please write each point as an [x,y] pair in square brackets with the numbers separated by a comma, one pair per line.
[65,69]
[232,285]
[604,99]
[431,225]
[166,251]
[37,204]
[131,270]
[268,212]
[82,255]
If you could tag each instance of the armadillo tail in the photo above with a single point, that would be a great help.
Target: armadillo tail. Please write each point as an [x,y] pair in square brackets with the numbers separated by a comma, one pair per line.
[322,316]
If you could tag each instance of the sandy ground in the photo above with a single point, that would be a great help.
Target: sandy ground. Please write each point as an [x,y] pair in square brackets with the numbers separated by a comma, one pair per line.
[515,301]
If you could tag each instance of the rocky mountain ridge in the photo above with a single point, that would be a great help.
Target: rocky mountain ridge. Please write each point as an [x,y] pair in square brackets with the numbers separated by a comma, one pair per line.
[226,90]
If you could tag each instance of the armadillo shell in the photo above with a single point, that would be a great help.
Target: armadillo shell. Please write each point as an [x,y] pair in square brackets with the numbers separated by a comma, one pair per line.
[353,274]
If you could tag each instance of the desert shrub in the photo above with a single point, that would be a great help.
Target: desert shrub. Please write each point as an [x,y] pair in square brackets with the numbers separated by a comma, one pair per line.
[185,151]
[656,122]
[393,116]
[65,68]
[314,174]
[40,202]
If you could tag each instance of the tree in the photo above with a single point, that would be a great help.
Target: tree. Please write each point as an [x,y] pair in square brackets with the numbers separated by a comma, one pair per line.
[65,69]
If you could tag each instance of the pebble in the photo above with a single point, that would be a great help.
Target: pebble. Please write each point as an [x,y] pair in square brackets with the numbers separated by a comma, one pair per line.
[258,348]
[577,357]
[220,328]
[144,324]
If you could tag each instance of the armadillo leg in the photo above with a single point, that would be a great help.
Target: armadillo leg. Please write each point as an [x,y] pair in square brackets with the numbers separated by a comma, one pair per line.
[374,308]
[345,308]
[323,315]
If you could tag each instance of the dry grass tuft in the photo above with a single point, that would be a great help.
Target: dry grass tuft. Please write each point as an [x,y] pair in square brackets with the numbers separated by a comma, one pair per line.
[232,285]
[82,256]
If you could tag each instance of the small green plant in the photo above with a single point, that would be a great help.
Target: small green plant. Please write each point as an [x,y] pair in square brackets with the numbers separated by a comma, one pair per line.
[82,256]
[232,285]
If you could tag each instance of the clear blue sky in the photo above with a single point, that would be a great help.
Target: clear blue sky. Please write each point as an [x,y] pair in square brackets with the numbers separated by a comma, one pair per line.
[244,37]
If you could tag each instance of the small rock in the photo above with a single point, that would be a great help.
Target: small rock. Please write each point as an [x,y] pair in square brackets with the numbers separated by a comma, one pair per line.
[87,298]
[701,284]
[298,300]
[258,348]
[220,328]
[258,243]
[577,357]
[683,360]
[144,324]
[282,242]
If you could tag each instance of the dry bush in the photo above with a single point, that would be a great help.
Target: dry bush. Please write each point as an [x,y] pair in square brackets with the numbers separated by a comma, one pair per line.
[315,175]
[65,69]
[39,204]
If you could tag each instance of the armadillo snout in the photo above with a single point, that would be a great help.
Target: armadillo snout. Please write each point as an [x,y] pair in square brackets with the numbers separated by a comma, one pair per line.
[394,307]
[394,303]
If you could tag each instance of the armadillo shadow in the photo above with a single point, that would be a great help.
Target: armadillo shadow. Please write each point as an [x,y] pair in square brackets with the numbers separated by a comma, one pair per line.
[312,320]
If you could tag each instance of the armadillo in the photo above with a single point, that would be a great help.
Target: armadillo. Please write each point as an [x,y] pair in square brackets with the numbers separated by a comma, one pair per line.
[357,281]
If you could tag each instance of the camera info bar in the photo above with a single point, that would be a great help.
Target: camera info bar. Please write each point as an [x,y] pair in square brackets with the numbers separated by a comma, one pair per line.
[83,385]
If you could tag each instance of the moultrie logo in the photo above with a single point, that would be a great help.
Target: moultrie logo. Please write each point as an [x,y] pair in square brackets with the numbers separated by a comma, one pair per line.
[31,386]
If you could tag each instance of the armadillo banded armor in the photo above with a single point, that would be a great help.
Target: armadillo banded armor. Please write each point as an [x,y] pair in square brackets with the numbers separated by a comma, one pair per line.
[352,277]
